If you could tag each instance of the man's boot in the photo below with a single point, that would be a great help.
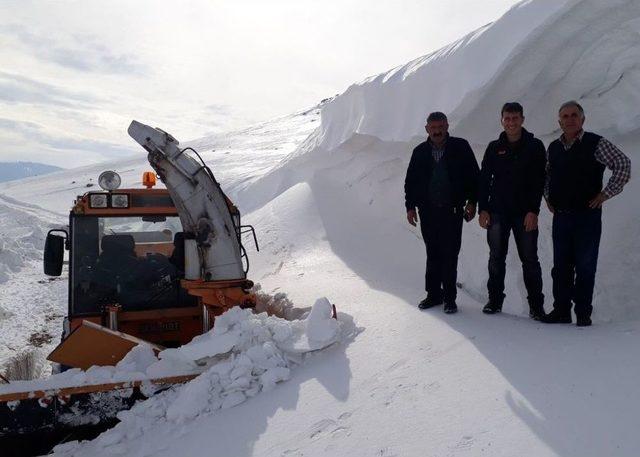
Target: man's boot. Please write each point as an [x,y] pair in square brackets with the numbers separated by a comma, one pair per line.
[583,321]
[450,307]
[492,307]
[537,314]
[536,311]
[557,317]
[429,302]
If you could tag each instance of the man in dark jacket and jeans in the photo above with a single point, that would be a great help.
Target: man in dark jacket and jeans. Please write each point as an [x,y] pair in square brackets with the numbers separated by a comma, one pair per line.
[575,194]
[441,184]
[511,185]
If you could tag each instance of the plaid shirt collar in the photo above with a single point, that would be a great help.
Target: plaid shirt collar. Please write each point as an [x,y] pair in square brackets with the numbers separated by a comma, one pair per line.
[567,144]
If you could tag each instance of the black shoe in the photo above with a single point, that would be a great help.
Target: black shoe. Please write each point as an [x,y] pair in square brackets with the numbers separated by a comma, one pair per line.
[537,314]
[450,307]
[492,308]
[583,322]
[429,302]
[556,317]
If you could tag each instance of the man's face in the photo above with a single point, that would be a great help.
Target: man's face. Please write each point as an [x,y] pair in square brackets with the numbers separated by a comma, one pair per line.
[512,123]
[437,130]
[571,120]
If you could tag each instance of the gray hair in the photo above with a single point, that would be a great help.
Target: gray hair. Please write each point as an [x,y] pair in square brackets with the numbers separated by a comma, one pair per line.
[572,104]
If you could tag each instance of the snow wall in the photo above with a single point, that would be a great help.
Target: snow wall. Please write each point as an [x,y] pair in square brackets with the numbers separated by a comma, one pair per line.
[541,53]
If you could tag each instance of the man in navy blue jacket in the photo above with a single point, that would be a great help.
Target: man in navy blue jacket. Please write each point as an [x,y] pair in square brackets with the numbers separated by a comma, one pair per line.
[441,188]
[511,185]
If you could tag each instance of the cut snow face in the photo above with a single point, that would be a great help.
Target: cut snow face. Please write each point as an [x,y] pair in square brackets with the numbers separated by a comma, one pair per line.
[31,306]
[354,166]
[243,355]
[22,235]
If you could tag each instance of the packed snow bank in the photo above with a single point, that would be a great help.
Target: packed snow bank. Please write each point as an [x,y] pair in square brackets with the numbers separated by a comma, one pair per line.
[246,352]
[393,105]
[540,53]
[588,51]
[24,229]
[244,355]
[355,164]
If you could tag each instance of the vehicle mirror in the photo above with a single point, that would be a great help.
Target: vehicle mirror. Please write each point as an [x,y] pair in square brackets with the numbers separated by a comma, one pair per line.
[53,254]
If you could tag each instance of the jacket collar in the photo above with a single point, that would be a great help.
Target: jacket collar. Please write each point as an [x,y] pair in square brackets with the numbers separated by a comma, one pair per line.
[526,136]
[444,145]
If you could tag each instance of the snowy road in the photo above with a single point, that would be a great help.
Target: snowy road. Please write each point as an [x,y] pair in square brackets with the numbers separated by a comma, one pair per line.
[422,383]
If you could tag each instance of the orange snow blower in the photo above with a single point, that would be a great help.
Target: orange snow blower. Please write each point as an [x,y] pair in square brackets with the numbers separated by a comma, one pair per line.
[145,265]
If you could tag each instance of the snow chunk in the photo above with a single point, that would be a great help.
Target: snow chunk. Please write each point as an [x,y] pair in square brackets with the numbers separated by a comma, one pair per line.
[320,326]
[243,355]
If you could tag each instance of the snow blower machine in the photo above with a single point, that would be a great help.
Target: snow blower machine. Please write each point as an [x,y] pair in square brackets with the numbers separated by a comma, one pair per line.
[145,265]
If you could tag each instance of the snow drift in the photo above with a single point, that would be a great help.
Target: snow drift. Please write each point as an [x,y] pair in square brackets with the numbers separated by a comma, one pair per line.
[243,355]
[540,53]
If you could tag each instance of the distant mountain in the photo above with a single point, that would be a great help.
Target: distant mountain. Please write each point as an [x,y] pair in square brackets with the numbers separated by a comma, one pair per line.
[17,170]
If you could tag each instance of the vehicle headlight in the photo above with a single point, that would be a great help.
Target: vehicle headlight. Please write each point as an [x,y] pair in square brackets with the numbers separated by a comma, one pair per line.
[119,201]
[98,200]
[109,180]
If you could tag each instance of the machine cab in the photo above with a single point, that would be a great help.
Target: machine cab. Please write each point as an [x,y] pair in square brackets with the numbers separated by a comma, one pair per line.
[126,248]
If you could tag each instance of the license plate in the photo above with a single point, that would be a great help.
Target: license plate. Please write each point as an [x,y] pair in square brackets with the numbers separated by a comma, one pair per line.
[158,327]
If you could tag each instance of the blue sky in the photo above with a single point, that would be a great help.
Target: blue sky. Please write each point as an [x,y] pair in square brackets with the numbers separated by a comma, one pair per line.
[75,73]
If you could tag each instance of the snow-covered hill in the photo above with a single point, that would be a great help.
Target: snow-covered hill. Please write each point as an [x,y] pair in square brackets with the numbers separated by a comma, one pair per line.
[237,158]
[331,222]
[18,170]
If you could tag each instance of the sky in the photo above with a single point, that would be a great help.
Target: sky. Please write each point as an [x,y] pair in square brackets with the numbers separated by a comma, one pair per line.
[75,73]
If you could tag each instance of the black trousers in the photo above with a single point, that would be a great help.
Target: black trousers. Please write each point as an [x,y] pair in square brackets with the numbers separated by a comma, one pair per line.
[441,229]
[527,244]
[576,242]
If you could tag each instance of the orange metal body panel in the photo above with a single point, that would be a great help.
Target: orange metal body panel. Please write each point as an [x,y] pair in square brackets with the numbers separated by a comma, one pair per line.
[219,296]
[82,205]
[172,325]
[159,326]
[92,344]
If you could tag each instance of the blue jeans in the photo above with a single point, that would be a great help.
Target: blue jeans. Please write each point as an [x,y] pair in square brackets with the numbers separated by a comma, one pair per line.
[576,241]
[527,244]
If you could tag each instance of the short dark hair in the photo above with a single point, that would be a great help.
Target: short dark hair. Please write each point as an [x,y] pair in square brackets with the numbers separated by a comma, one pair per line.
[437,116]
[512,107]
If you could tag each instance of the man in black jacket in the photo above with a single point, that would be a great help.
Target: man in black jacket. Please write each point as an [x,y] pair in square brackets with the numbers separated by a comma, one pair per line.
[511,185]
[575,194]
[441,184]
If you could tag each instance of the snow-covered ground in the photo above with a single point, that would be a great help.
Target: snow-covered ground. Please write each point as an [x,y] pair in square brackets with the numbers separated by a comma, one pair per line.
[327,205]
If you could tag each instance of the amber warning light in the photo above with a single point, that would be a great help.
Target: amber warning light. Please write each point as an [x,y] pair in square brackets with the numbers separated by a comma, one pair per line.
[149,179]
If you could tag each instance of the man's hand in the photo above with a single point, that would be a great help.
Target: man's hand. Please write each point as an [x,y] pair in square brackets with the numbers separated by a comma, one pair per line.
[530,222]
[597,201]
[412,217]
[469,212]
[484,219]
[550,206]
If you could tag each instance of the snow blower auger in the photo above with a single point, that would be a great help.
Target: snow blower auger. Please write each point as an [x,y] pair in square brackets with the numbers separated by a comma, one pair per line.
[145,265]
